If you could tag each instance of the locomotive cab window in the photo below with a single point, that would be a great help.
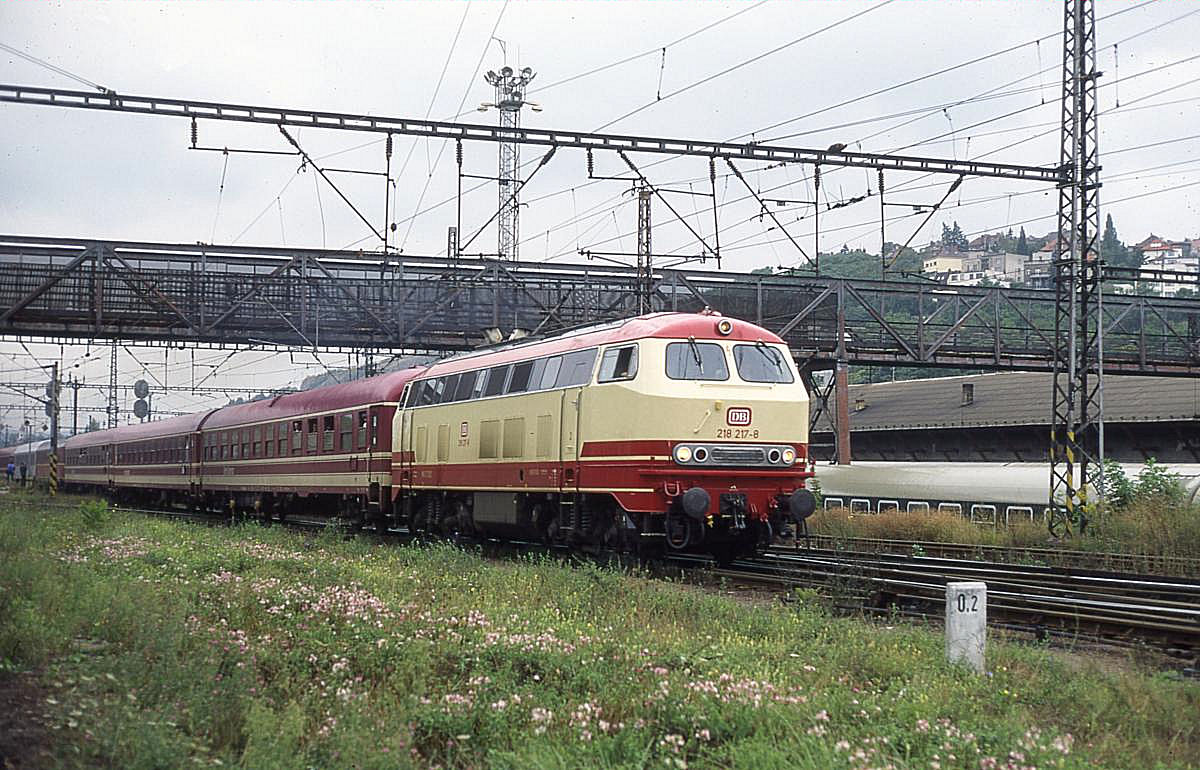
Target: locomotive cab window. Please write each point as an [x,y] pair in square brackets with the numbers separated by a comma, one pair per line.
[761,363]
[618,364]
[693,360]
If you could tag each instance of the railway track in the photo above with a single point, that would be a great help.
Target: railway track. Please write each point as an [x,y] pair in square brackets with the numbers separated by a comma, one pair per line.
[1113,608]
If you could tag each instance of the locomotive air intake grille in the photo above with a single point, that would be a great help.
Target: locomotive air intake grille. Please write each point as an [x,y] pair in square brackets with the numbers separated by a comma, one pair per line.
[728,455]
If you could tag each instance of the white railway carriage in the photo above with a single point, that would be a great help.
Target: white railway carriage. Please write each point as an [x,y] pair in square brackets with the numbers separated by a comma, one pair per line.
[983,492]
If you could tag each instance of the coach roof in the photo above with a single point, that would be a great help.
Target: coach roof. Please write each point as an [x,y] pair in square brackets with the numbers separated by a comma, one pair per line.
[384,389]
[141,431]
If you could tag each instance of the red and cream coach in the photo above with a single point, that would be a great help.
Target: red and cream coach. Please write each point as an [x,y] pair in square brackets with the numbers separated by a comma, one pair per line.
[671,431]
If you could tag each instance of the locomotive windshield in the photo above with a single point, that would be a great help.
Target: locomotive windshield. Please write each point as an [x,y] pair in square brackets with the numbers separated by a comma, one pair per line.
[693,360]
[761,363]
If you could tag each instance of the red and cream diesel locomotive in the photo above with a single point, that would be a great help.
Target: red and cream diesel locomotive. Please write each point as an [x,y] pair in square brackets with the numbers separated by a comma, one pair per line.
[667,432]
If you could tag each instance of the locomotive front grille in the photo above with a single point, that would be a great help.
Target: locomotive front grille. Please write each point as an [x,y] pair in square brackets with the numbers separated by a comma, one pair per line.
[731,455]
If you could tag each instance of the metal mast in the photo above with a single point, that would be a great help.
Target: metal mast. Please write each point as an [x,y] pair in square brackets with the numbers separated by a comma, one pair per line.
[645,269]
[1077,408]
[510,98]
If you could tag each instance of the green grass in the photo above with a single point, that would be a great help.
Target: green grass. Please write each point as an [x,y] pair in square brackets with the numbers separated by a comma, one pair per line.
[166,644]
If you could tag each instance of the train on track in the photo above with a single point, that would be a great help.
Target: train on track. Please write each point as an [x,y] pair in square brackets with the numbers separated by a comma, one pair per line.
[669,432]
[986,493]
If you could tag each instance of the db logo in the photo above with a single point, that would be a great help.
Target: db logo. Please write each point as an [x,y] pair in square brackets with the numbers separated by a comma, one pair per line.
[738,415]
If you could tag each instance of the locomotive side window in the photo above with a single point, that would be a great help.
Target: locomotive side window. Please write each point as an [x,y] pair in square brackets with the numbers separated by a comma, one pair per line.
[449,388]
[761,363]
[576,368]
[618,364]
[518,382]
[550,373]
[478,383]
[496,377]
[466,386]
[693,360]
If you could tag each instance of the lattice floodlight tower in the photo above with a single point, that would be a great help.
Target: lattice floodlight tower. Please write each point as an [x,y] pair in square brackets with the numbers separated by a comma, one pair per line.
[510,98]
[1076,432]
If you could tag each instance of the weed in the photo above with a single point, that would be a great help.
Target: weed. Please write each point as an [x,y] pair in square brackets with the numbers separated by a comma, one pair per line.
[167,644]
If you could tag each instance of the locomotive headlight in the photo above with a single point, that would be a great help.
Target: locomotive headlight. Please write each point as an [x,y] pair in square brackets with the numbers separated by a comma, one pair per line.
[701,454]
[724,327]
[789,456]
[683,454]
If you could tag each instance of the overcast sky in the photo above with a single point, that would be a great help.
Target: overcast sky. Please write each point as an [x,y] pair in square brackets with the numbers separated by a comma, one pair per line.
[100,175]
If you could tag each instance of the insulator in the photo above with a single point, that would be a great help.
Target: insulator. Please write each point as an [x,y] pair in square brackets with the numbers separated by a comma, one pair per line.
[591,162]
[458,151]
[195,132]
[388,149]
[712,170]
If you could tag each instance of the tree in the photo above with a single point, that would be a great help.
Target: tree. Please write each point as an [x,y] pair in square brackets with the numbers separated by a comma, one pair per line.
[1113,251]
[93,424]
[1023,244]
[953,237]
[763,271]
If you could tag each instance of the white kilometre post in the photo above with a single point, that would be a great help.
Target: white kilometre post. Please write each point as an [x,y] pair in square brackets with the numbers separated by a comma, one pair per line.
[966,623]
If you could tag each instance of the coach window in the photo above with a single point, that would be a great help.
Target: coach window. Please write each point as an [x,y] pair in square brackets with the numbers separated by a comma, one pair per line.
[761,363]
[518,382]
[576,368]
[374,428]
[283,439]
[693,360]
[347,431]
[311,444]
[619,364]
[245,443]
[235,451]
[224,445]
[256,443]
[327,432]
[297,436]
[550,373]
[362,429]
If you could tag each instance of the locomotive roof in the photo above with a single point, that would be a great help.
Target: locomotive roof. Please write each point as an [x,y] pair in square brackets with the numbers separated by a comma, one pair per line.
[373,390]
[702,326]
